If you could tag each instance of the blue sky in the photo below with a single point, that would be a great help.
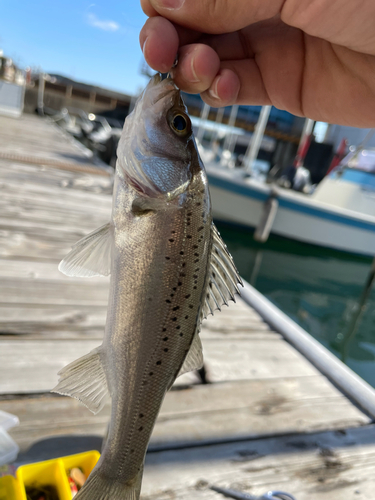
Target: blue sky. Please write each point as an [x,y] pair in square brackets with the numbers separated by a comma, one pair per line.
[92,41]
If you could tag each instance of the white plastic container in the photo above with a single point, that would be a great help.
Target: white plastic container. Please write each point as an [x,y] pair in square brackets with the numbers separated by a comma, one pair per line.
[8,448]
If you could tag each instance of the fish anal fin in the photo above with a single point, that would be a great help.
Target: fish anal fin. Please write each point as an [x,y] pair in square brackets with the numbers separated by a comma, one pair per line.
[90,256]
[84,379]
[194,358]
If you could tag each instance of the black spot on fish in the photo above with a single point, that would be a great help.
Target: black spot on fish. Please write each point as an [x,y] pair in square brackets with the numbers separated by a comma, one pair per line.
[189,236]
[200,228]
[195,247]
[214,275]
[164,330]
[187,296]
[171,240]
[172,294]
[151,374]
[181,253]
[191,306]
[198,204]
[195,281]
[174,319]
[179,283]
[194,287]
[208,295]
[174,288]
[181,334]
[168,301]
[196,254]
[168,258]
[176,308]
[150,299]
[158,363]
[178,327]
[131,451]
[186,317]
[183,264]
[196,270]
[195,276]
[196,260]
[166,349]
[140,429]
[173,232]
[189,214]
[165,339]
[188,223]
[141,415]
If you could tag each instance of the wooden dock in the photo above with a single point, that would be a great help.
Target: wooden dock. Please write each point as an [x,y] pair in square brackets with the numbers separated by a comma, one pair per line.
[268,419]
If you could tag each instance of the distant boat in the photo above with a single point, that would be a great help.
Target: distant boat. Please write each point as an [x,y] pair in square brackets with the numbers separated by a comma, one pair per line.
[339,214]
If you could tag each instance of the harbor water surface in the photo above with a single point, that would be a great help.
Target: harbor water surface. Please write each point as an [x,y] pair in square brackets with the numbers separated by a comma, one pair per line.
[318,288]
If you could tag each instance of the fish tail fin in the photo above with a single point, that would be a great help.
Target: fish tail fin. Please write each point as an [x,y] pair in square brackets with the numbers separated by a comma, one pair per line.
[98,487]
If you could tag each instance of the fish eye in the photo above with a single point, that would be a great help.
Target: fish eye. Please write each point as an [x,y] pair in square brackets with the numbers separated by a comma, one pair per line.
[179,123]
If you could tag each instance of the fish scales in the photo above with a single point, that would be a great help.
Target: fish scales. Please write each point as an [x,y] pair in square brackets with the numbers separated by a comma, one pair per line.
[169,269]
[159,299]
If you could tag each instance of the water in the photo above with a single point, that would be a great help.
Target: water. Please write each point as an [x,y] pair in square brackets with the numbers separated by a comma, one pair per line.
[318,288]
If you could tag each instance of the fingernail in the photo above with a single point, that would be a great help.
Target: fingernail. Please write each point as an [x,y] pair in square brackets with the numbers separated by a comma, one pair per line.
[213,90]
[144,46]
[195,79]
[168,4]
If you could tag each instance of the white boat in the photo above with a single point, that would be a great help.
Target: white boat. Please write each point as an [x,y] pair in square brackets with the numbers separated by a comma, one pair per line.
[339,214]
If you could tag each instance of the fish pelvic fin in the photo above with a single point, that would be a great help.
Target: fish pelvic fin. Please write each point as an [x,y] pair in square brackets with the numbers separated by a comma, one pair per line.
[99,487]
[91,255]
[223,277]
[84,379]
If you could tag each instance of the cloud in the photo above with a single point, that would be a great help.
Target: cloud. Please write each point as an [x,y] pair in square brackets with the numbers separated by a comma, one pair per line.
[94,21]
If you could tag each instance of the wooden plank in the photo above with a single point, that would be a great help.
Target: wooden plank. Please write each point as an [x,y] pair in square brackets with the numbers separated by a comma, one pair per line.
[52,293]
[319,466]
[23,137]
[32,365]
[22,174]
[64,322]
[202,413]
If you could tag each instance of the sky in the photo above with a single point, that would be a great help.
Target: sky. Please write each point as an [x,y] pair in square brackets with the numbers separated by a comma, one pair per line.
[93,42]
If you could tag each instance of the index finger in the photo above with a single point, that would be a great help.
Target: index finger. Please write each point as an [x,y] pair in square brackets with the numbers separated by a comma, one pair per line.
[160,41]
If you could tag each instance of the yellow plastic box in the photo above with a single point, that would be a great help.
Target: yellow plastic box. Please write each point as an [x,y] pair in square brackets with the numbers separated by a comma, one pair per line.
[47,473]
[9,488]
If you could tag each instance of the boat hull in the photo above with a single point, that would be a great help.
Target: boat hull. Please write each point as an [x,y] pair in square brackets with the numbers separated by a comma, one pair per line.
[299,218]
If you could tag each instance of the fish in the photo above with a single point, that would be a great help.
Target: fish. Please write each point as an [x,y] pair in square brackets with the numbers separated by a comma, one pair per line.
[169,269]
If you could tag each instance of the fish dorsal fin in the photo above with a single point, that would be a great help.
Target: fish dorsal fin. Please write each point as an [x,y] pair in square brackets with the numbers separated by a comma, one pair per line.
[84,379]
[90,256]
[223,277]
[194,358]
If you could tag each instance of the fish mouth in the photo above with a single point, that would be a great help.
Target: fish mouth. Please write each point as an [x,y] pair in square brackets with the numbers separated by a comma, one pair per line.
[167,86]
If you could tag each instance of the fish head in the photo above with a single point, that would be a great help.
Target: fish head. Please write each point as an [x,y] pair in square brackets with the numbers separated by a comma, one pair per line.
[157,154]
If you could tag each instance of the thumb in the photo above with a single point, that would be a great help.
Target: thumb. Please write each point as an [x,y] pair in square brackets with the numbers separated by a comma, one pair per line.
[215,16]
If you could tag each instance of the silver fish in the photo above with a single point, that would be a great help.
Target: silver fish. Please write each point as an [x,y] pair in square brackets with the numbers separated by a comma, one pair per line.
[169,269]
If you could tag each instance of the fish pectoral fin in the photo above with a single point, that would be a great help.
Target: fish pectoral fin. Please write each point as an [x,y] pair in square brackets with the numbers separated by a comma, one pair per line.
[194,358]
[223,277]
[84,379]
[90,256]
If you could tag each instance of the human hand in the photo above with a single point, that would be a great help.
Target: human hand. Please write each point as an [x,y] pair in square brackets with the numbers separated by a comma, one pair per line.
[313,58]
